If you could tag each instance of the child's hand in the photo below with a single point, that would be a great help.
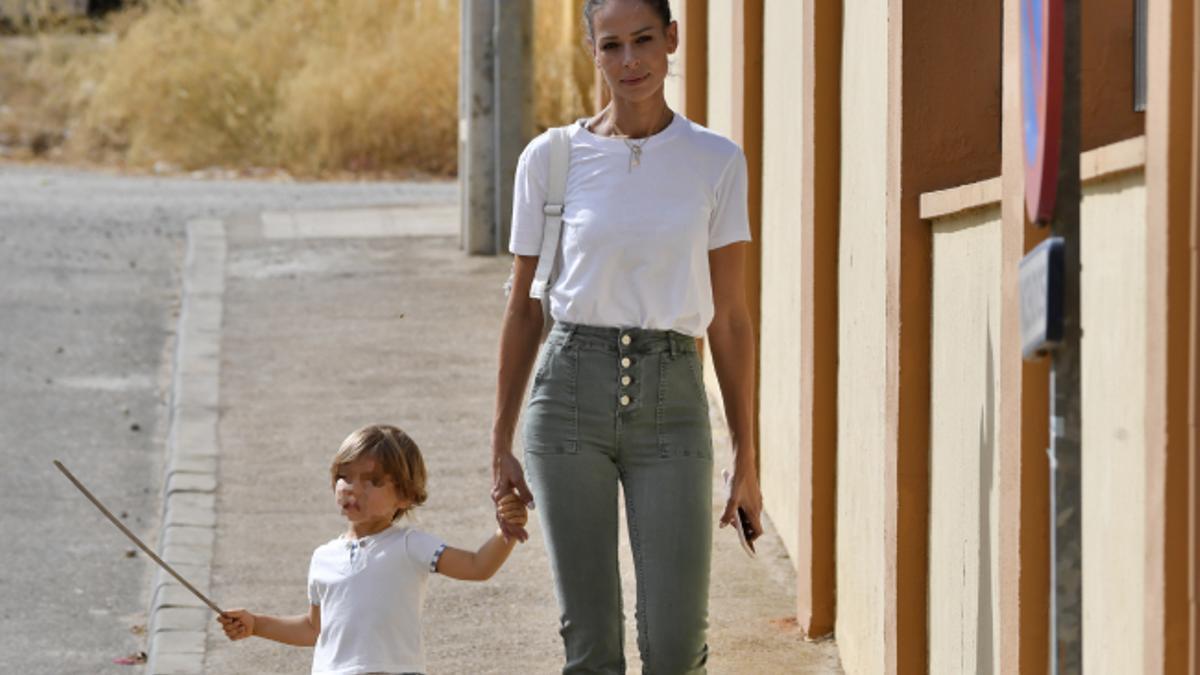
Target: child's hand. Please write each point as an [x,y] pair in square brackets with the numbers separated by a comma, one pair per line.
[237,623]
[511,510]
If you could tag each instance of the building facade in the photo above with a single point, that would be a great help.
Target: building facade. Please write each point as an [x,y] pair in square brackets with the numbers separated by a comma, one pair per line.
[902,437]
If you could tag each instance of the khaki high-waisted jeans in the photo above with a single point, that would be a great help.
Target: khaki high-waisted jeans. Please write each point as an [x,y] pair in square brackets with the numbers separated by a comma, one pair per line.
[625,405]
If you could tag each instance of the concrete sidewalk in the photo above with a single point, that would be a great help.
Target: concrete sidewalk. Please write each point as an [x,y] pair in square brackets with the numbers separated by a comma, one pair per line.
[321,333]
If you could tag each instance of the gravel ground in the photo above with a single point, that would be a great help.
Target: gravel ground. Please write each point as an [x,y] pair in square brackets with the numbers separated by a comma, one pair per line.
[323,336]
[89,291]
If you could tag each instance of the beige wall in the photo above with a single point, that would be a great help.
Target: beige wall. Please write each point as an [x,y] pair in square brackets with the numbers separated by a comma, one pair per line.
[720,120]
[673,87]
[862,327]
[1113,359]
[720,66]
[780,333]
[964,467]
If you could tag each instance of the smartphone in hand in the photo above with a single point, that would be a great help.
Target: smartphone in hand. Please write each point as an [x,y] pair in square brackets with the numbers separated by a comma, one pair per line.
[745,531]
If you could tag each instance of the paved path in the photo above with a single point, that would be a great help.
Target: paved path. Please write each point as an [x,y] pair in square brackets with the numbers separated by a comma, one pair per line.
[322,333]
[89,300]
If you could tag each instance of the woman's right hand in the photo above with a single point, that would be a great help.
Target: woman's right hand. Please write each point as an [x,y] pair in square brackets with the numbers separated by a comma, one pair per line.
[507,478]
[519,338]
[237,623]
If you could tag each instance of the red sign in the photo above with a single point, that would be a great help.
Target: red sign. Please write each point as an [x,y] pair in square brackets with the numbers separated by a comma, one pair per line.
[1041,102]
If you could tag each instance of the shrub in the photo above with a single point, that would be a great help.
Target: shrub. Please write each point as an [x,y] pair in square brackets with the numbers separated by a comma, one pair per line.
[313,86]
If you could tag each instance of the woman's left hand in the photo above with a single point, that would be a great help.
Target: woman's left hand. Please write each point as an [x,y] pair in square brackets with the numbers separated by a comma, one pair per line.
[744,492]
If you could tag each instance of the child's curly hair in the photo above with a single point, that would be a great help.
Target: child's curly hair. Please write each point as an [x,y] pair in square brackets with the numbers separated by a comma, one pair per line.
[398,457]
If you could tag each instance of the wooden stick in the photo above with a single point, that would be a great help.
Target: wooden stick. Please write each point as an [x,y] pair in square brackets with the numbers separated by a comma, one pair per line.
[133,537]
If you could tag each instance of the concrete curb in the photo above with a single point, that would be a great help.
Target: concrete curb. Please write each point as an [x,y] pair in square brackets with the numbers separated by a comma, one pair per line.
[179,620]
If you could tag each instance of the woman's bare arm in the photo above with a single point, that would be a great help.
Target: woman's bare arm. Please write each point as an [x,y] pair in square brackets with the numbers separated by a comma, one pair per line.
[731,339]
[519,337]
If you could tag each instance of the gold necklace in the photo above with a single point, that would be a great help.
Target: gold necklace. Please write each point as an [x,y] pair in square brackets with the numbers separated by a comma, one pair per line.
[635,148]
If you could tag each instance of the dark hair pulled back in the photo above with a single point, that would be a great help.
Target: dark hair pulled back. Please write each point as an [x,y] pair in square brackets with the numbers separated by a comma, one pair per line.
[661,7]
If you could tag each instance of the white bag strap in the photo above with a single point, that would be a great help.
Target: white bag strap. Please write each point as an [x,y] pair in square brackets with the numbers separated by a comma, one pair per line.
[560,154]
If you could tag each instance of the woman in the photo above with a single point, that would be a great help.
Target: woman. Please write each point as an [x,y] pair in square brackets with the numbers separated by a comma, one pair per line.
[654,226]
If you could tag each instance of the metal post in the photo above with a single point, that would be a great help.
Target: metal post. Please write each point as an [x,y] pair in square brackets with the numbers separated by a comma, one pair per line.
[513,124]
[1066,602]
[477,152]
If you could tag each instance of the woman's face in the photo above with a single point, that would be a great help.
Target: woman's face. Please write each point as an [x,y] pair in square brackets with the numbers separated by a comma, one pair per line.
[630,47]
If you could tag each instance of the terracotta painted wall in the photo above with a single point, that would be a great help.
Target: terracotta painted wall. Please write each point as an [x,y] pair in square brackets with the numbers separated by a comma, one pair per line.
[780,339]
[1112,299]
[862,338]
[1106,79]
[964,574]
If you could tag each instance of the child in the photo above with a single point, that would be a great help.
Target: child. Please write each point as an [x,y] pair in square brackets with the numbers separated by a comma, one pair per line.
[365,588]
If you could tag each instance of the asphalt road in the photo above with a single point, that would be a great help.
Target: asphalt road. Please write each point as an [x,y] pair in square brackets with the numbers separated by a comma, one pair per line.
[89,292]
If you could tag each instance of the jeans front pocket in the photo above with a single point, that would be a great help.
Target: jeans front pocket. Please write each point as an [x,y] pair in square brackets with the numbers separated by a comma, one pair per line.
[552,414]
[682,414]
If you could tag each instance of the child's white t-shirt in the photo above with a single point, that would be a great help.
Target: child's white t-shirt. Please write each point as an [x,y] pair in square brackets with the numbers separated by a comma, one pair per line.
[371,591]
[635,239]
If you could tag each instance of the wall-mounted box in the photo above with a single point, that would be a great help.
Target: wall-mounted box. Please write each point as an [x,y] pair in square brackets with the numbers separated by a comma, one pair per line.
[1042,274]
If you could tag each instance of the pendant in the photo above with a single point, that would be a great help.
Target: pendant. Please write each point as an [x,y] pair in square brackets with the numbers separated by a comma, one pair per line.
[635,156]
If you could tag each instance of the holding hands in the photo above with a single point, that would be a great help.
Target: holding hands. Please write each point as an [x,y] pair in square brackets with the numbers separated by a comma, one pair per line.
[508,481]
[511,514]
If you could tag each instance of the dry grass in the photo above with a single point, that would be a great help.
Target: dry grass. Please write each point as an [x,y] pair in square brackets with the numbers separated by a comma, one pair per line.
[29,17]
[311,86]
[45,83]
[560,58]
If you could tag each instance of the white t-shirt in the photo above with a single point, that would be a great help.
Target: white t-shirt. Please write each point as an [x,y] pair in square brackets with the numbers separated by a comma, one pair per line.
[635,240]
[371,591]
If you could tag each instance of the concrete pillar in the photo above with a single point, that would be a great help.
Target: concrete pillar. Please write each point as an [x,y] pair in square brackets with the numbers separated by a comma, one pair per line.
[476,128]
[820,120]
[1169,182]
[1023,429]
[693,59]
[513,122]
[747,131]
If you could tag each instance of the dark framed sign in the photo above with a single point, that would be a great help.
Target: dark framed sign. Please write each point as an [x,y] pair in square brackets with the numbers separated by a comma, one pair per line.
[1041,102]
